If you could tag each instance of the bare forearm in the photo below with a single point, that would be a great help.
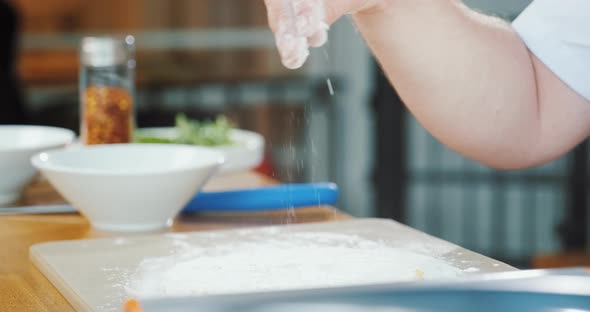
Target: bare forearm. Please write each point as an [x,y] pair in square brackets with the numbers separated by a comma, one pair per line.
[468,78]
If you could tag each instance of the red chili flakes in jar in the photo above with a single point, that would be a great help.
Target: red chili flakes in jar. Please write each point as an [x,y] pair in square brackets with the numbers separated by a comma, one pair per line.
[108,115]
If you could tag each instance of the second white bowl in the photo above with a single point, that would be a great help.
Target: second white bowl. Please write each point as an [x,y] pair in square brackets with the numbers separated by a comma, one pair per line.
[17,145]
[129,187]
[246,152]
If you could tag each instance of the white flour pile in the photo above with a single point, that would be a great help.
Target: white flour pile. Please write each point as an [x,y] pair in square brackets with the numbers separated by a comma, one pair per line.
[294,261]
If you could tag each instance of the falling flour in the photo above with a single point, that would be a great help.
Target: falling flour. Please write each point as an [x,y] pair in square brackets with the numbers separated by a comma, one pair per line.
[330,87]
[282,262]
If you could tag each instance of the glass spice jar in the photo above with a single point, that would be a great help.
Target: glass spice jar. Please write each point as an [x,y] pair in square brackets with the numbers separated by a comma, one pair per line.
[107,74]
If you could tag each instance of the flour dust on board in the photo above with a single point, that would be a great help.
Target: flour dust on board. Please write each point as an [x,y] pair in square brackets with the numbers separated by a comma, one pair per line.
[287,261]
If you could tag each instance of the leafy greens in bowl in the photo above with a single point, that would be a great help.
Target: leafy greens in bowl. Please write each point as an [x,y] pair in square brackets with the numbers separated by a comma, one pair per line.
[244,150]
[192,132]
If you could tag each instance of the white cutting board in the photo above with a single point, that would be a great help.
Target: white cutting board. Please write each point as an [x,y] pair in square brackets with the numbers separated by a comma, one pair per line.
[92,274]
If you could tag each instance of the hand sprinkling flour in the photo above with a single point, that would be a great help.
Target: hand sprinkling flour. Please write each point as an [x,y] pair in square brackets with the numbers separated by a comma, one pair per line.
[300,25]
[424,44]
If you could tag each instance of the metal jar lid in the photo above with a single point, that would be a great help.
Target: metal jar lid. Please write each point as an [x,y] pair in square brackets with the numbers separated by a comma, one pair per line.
[106,51]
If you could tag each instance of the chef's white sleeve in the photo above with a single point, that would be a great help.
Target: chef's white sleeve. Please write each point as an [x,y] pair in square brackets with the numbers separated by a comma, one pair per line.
[558,33]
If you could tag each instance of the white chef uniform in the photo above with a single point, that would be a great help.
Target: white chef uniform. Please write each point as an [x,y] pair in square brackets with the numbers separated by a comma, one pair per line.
[558,33]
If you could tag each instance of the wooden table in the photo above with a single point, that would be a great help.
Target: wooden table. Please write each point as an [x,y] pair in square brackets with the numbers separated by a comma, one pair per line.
[564,259]
[24,288]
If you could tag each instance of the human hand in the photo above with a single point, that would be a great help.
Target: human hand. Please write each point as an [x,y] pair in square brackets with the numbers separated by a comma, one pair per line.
[300,24]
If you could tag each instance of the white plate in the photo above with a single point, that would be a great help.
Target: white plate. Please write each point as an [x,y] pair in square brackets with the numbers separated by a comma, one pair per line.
[246,153]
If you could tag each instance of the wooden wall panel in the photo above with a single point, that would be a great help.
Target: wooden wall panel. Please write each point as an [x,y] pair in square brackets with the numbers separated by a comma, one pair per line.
[117,15]
[48,16]
[43,66]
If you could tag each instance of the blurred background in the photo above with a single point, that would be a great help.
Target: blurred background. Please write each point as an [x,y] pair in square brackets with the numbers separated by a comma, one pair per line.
[211,57]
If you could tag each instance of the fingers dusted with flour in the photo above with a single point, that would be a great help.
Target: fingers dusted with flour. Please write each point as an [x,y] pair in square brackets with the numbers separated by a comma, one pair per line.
[297,25]
[301,24]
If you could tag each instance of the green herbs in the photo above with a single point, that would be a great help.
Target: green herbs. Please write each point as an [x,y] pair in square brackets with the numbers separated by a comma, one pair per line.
[140,139]
[207,133]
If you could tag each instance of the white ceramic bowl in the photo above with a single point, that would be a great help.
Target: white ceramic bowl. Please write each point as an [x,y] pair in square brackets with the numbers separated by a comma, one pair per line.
[17,145]
[129,187]
[246,153]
